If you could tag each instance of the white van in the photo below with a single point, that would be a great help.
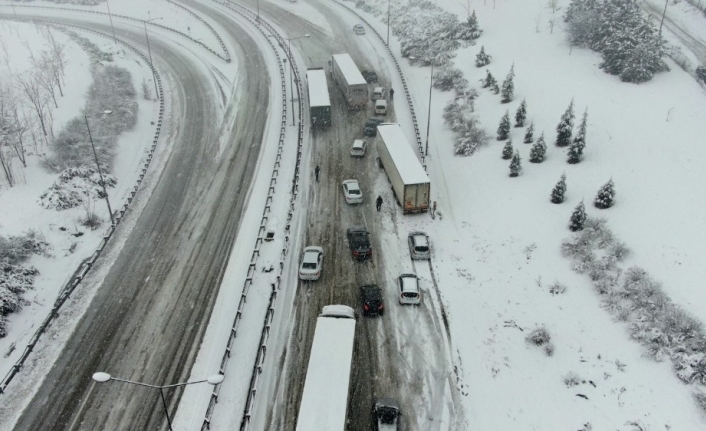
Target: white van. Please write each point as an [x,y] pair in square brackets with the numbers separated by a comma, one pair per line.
[381,107]
[378,93]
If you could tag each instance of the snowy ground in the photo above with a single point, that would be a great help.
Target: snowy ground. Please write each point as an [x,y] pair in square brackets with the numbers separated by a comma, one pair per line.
[496,241]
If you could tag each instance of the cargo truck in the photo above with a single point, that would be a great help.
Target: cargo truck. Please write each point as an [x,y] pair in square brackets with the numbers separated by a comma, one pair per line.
[319,102]
[410,183]
[349,80]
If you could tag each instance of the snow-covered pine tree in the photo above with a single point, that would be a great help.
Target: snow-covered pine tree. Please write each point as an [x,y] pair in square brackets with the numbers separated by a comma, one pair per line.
[539,150]
[605,196]
[521,114]
[565,127]
[559,190]
[482,59]
[489,79]
[515,165]
[529,134]
[508,149]
[494,86]
[508,86]
[578,218]
[504,127]
[575,153]
[469,30]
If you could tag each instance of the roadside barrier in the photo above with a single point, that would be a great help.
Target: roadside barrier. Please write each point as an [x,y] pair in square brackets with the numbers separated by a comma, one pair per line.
[261,25]
[225,56]
[87,264]
[198,17]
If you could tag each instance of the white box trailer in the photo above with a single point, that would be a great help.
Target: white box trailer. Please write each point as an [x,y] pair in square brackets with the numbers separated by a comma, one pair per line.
[324,405]
[410,183]
[349,80]
[319,101]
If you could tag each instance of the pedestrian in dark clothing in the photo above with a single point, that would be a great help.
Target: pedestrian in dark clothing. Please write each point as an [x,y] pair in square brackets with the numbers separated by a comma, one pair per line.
[392,93]
[378,203]
[316,173]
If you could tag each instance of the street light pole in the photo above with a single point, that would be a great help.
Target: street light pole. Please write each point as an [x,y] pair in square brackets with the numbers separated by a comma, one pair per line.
[111,21]
[100,173]
[291,65]
[214,380]
[663,14]
[388,23]
[149,51]
[431,82]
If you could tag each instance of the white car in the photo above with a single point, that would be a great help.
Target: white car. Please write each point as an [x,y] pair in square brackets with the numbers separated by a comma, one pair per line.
[379,93]
[358,148]
[359,29]
[419,246]
[352,192]
[408,285]
[312,263]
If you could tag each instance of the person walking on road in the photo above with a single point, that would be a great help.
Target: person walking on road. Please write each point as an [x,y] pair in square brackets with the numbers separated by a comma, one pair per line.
[378,203]
[392,93]
[316,173]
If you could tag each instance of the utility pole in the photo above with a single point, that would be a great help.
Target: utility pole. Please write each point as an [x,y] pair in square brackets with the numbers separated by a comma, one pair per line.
[149,51]
[388,23]
[663,14]
[100,173]
[107,3]
[431,82]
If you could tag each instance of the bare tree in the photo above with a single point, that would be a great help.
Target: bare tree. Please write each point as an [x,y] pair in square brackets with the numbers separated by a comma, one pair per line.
[553,4]
[551,22]
[57,59]
[45,78]
[29,85]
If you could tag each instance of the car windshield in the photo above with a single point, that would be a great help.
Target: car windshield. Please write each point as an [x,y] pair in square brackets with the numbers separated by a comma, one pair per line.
[309,265]
[421,248]
[387,415]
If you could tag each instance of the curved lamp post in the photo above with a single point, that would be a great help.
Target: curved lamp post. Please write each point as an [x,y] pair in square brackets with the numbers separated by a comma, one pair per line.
[101,377]
[431,82]
[149,51]
[291,64]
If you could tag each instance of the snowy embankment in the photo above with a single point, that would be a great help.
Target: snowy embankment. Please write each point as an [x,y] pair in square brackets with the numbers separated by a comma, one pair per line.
[497,239]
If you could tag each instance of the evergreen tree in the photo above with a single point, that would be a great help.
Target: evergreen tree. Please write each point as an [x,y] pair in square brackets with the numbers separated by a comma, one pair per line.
[565,127]
[529,134]
[538,150]
[504,127]
[521,114]
[605,196]
[508,150]
[469,31]
[494,86]
[489,79]
[577,146]
[578,218]
[508,86]
[559,190]
[482,59]
[515,166]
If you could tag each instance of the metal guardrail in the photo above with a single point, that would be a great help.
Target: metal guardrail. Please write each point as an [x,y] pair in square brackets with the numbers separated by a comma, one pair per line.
[225,57]
[198,17]
[404,82]
[264,336]
[87,264]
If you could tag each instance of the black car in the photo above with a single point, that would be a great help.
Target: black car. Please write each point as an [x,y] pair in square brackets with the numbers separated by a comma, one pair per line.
[386,412]
[359,242]
[370,76]
[371,126]
[371,297]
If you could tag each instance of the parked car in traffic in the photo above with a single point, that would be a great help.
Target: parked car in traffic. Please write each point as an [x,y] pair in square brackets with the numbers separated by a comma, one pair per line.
[381,107]
[387,414]
[358,148]
[359,242]
[371,297]
[408,285]
[370,76]
[359,29]
[352,192]
[312,263]
[379,93]
[419,246]
[371,126]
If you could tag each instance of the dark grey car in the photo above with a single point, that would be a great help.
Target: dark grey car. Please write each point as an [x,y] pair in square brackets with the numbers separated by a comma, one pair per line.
[387,414]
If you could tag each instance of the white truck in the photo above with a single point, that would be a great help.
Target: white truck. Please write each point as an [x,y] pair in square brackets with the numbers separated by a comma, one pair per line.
[410,183]
[349,79]
[324,405]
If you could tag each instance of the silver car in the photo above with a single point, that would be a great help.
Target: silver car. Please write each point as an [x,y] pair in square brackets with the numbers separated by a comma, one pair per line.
[312,263]
[419,246]
[358,148]
[352,192]
[408,284]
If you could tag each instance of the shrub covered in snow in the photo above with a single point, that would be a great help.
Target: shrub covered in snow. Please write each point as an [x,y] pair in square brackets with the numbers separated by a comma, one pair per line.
[605,196]
[74,186]
[539,336]
[663,328]
[16,279]
[515,164]
[460,117]
[578,217]
[575,152]
[627,39]
[559,190]
[529,134]
[508,89]
[565,127]
[449,78]
[482,59]
[539,150]
[507,150]
[504,128]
